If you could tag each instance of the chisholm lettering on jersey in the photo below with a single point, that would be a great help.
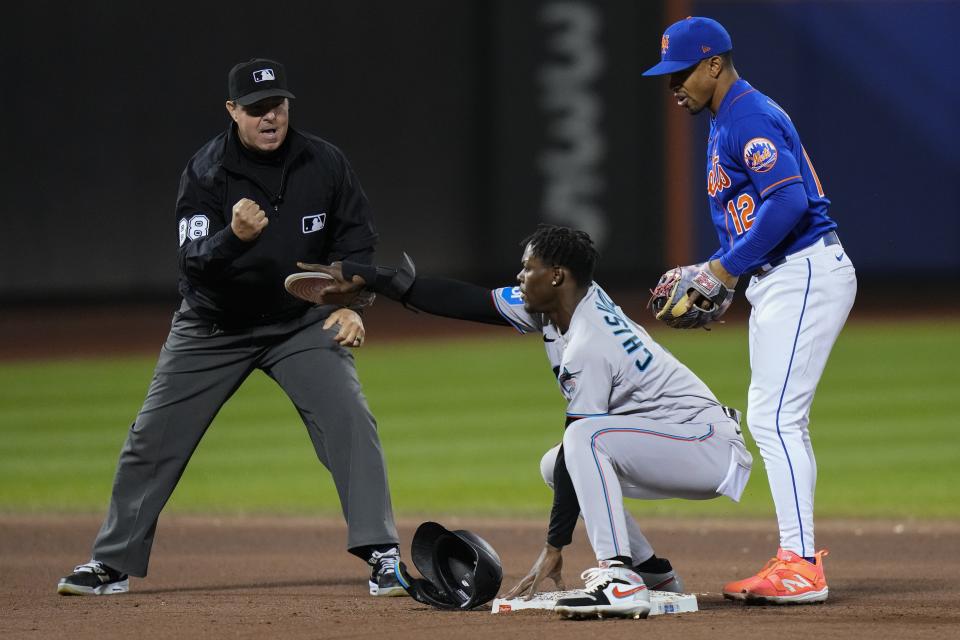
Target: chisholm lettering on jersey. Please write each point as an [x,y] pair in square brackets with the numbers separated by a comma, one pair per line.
[623,328]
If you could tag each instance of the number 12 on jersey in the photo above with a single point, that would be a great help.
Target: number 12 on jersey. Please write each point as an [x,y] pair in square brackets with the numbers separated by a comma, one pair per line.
[742,212]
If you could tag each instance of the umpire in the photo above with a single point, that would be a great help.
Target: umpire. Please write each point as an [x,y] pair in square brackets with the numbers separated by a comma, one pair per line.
[253,201]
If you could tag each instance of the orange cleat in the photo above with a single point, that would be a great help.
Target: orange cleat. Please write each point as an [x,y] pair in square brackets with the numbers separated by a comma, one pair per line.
[786,579]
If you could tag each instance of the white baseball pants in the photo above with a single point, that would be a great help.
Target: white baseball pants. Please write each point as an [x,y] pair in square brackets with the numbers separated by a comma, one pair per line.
[613,457]
[799,309]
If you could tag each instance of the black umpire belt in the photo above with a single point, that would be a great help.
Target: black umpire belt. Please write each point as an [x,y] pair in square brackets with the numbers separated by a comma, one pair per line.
[828,239]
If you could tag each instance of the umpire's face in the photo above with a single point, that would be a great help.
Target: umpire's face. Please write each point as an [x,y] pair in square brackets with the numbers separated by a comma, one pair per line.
[262,126]
[538,283]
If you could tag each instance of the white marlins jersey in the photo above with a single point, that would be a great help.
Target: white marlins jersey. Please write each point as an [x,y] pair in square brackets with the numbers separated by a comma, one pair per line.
[606,364]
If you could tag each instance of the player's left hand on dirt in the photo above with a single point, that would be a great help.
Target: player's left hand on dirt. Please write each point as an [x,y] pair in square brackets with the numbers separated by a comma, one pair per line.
[689,297]
[325,284]
[548,565]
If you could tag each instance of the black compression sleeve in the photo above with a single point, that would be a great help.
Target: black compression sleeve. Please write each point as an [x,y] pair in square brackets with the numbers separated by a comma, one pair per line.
[453,299]
[566,507]
[436,296]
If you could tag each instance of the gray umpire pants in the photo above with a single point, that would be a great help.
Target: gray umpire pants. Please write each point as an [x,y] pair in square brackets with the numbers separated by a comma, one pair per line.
[199,368]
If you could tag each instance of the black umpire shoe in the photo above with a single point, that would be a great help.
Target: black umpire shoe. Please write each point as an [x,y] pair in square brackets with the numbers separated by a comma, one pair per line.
[613,590]
[93,579]
[383,578]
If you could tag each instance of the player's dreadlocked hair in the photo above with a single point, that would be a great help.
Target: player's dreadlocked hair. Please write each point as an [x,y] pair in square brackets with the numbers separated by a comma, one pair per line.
[565,247]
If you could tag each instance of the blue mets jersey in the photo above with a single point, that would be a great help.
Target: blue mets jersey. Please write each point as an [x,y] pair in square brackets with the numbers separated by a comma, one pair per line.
[753,151]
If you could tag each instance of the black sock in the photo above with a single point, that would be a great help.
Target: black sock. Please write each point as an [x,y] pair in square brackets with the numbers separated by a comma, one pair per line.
[653,564]
[622,559]
[366,551]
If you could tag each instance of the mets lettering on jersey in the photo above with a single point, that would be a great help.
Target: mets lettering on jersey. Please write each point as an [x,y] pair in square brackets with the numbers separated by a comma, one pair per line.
[717,178]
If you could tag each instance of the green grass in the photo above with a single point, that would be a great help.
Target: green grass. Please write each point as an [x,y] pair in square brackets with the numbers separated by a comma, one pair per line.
[464,424]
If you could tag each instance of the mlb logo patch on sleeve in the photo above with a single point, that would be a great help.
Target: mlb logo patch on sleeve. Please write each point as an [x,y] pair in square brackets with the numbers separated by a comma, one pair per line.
[263,75]
[314,222]
[511,295]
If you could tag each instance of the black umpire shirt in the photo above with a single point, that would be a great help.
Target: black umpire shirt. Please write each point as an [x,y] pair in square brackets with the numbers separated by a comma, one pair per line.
[317,210]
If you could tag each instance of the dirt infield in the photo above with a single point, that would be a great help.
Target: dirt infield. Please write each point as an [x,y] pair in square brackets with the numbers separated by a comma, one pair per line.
[289,578]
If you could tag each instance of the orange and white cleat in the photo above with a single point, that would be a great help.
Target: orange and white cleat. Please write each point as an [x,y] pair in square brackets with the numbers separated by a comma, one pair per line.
[786,579]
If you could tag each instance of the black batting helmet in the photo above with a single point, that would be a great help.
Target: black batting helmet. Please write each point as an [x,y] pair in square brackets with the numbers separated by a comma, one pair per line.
[461,569]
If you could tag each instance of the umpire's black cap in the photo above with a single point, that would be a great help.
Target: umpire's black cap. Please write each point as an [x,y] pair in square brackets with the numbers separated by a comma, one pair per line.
[256,79]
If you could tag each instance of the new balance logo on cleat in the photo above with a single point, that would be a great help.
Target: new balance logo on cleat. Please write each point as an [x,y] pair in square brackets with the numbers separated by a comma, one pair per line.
[786,579]
[612,590]
[795,585]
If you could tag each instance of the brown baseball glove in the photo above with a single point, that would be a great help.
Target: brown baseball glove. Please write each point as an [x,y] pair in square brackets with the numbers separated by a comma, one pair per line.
[689,298]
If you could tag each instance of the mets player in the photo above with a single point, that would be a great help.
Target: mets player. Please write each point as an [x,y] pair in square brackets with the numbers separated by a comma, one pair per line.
[770,212]
[639,423]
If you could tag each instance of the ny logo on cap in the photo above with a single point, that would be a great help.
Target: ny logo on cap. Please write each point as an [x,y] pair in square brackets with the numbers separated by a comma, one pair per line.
[664,44]
[263,75]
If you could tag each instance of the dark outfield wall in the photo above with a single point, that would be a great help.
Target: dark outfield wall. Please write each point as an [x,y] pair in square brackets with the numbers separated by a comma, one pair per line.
[108,100]
[467,122]
[874,94]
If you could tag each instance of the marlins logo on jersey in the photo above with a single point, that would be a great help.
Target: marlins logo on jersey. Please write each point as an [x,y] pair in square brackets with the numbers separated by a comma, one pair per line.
[759,154]
[568,382]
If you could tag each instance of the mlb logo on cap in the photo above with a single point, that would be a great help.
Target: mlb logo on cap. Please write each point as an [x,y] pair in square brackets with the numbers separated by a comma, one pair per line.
[257,79]
[687,42]
[263,75]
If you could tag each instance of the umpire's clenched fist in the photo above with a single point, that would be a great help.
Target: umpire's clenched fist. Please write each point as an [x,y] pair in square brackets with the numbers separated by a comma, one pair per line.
[248,220]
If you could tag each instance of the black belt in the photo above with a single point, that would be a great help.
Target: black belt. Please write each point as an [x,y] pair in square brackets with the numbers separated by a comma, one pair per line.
[829,238]
[733,414]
